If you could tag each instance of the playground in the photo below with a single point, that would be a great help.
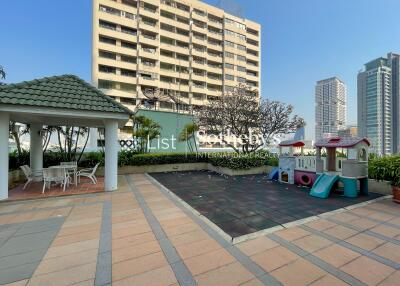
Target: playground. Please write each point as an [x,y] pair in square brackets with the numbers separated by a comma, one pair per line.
[242,205]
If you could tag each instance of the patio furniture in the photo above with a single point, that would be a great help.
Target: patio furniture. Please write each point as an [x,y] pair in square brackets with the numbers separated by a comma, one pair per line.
[55,175]
[30,175]
[72,169]
[89,173]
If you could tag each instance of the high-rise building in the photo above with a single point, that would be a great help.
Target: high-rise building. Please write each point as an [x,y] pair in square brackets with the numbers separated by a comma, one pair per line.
[378,104]
[330,107]
[186,50]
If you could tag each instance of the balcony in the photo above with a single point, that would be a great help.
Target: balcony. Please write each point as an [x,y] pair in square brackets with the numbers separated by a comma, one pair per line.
[149,53]
[149,13]
[116,63]
[214,80]
[198,29]
[116,19]
[199,65]
[214,57]
[214,69]
[148,39]
[199,40]
[175,10]
[117,49]
[213,92]
[118,35]
[198,88]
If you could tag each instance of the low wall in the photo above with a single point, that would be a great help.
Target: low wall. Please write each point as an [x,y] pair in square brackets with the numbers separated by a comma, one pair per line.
[15,177]
[382,187]
[186,167]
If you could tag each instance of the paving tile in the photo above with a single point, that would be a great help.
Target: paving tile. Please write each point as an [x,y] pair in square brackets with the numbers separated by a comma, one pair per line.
[365,241]
[328,280]
[256,245]
[163,276]
[138,265]
[78,237]
[66,261]
[392,280]
[18,283]
[228,275]
[65,277]
[321,224]
[22,258]
[390,251]
[16,273]
[386,230]
[253,282]
[208,261]
[292,233]
[298,273]
[336,255]
[130,231]
[363,223]
[340,232]
[188,237]
[135,251]
[312,243]
[180,229]
[72,248]
[196,248]
[274,258]
[367,270]
[132,240]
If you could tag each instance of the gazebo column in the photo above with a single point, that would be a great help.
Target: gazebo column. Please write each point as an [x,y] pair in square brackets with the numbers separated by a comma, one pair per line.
[36,148]
[4,135]
[111,156]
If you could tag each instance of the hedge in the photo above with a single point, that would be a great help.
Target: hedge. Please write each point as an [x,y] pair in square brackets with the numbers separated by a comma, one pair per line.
[385,168]
[132,158]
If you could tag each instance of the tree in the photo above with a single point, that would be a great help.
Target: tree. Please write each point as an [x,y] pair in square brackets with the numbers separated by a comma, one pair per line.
[243,123]
[68,140]
[145,129]
[188,135]
[15,133]
[2,73]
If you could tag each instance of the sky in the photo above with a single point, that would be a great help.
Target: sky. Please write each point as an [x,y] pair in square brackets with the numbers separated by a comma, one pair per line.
[303,41]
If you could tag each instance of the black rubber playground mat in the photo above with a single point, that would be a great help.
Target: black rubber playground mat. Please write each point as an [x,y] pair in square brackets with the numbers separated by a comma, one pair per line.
[241,205]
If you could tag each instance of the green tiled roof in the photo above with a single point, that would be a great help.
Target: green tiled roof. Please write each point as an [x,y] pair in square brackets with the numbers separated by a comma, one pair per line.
[66,92]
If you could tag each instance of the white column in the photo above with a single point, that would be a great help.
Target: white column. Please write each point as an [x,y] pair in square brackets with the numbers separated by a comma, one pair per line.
[36,147]
[111,156]
[4,125]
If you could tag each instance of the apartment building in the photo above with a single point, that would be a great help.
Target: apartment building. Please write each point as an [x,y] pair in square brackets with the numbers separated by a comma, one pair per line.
[378,104]
[330,107]
[184,53]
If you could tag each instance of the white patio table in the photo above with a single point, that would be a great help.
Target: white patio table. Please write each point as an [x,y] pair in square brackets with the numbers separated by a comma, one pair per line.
[67,168]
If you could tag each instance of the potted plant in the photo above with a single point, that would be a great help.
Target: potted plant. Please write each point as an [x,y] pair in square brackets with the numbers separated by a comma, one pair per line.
[396,189]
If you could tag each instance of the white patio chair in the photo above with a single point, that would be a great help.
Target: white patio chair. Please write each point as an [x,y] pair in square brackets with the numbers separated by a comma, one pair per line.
[89,173]
[30,175]
[69,171]
[55,175]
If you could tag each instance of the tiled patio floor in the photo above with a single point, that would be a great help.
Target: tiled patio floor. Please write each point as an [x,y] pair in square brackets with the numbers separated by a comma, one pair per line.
[140,235]
[34,190]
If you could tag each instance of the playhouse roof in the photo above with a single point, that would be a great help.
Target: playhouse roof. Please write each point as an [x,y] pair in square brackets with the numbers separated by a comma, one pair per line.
[340,142]
[293,143]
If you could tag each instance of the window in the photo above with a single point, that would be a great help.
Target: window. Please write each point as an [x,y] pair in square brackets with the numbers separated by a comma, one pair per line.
[107,55]
[127,87]
[241,47]
[229,77]
[251,52]
[199,12]
[129,73]
[237,24]
[229,88]
[229,44]
[128,59]
[106,84]
[128,30]
[241,79]
[182,7]
[129,101]
[252,42]
[107,69]
[110,10]
[128,45]
[229,66]
[229,55]
[107,40]
[241,58]
[107,25]
[241,69]
[182,57]
[253,32]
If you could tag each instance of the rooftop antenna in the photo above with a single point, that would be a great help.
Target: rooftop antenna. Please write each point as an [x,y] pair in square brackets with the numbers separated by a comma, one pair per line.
[231,7]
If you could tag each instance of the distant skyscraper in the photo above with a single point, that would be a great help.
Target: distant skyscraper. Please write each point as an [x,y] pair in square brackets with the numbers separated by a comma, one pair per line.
[330,107]
[378,104]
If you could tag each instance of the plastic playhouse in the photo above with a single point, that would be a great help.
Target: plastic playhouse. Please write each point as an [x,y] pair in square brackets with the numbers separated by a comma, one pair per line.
[294,167]
[350,169]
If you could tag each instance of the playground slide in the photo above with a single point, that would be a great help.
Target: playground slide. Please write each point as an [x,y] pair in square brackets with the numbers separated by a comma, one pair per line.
[323,185]
[274,174]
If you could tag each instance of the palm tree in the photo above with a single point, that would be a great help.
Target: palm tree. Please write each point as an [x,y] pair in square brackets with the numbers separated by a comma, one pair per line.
[2,73]
[188,134]
[146,129]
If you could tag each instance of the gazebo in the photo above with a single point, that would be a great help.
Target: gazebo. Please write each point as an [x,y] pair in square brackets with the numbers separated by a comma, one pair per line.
[59,101]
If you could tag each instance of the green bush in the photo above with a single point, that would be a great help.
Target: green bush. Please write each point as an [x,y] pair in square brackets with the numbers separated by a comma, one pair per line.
[385,168]
[132,158]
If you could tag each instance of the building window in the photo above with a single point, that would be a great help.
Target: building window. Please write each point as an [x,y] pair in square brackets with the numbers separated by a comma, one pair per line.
[127,87]
[107,55]
[107,25]
[107,40]
[229,66]
[241,58]
[229,77]
[128,59]
[126,72]
[128,30]
[107,69]
[106,84]
[130,101]
[241,69]
[128,45]
[229,44]
[241,79]
[229,55]
[241,47]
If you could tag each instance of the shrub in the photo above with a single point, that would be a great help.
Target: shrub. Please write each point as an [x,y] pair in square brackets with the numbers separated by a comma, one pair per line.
[161,158]
[385,168]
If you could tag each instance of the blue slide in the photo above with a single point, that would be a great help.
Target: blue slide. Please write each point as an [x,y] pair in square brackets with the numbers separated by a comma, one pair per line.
[274,174]
[323,186]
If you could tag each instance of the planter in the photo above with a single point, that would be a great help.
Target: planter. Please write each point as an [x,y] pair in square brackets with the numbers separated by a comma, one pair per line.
[396,194]
[380,187]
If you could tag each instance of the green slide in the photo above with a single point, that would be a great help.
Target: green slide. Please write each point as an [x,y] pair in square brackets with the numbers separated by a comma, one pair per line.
[323,185]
